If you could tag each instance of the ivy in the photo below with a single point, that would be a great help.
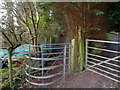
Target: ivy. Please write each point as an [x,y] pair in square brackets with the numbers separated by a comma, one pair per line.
[98,12]
[97,51]
[59,26]
[110,36]
[65,6]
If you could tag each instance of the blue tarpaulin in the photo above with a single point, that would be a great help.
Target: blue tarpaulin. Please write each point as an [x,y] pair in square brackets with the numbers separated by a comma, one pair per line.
[18,51]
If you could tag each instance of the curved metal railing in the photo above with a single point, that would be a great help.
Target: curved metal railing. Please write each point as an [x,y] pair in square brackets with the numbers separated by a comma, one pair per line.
[40,74]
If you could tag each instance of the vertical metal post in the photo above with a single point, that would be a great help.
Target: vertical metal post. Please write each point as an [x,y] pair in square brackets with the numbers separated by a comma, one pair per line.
[69,47]
[86,52]
[64,64]
[42,62]
[29,65]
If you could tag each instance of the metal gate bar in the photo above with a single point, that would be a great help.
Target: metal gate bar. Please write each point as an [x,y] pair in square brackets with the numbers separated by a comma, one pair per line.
[103,65]
[48,54]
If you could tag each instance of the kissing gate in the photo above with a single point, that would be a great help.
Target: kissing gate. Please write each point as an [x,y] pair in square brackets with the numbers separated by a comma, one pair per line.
[52,61]
[103,58]
[50,66]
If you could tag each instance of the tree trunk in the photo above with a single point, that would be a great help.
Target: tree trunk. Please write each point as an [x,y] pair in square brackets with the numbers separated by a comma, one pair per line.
[10,68]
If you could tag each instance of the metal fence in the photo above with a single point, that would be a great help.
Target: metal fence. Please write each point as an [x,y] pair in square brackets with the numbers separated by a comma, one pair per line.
[103,58]
[48,65]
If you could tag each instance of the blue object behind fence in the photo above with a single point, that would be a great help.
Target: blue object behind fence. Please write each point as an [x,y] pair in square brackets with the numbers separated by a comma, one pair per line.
[21,49]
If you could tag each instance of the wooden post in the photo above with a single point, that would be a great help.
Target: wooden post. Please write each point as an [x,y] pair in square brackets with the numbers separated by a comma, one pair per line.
[10,69]
[82,63]
[45,40]
[45,43]
[81,59]
[50,40]
[73,55]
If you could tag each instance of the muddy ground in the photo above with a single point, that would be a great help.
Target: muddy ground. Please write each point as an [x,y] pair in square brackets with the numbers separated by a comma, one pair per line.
[88,79]
[85,79]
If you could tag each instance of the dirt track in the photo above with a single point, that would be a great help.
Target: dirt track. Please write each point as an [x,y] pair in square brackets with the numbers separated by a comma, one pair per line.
[85,79]
[88,79]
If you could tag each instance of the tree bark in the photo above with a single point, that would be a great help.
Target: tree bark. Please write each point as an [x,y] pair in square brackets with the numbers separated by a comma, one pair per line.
[10,68]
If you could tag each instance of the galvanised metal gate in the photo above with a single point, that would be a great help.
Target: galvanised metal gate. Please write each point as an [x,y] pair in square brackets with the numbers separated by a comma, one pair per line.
[48,65]
[103,58]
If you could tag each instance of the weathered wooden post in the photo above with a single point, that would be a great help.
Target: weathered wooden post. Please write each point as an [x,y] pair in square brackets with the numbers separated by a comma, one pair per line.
[81,59]
[73,55]
[50,40]
[45,40]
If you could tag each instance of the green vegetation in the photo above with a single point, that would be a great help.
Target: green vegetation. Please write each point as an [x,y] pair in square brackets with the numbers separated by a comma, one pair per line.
[97,51]
[110,36]
[113,16]
[19,75]
[98,12]
[45,22]
[33,25]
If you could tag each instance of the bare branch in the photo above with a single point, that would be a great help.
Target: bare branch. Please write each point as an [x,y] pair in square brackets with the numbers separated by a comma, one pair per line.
[6,37]
[22,21]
